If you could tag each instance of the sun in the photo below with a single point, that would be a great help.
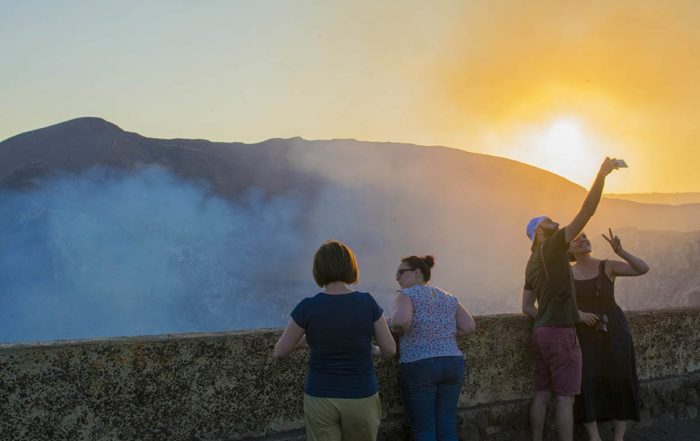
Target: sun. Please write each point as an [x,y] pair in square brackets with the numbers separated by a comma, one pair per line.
[563,145]
[563,139]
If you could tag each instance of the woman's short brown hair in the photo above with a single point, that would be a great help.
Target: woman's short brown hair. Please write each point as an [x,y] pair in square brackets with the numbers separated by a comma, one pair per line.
[335,262]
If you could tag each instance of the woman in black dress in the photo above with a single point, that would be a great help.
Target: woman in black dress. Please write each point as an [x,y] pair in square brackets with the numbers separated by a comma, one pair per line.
[609,385]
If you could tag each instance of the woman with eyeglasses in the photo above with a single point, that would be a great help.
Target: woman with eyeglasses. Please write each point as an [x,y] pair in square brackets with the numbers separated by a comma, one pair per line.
[340,396]
[431,368]
[609,383]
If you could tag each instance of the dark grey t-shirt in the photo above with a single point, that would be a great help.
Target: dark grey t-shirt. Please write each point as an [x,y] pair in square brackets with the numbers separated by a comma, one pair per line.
[552,282]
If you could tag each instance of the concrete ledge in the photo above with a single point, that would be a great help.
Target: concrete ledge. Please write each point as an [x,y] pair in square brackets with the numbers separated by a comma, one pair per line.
[226,386]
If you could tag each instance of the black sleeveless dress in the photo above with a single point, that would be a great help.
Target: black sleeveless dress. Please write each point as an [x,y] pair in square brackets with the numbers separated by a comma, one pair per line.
[609,383]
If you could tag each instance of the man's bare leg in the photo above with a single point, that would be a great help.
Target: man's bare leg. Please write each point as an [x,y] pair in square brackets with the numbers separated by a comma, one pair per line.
[620,427]
[592,429]
[565,417]
[538,413]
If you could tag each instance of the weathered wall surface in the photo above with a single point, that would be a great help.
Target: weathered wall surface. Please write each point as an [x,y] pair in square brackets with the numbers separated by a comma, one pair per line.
[226,386]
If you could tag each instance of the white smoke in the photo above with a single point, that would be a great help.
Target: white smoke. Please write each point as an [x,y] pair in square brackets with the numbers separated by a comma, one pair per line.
[108,253]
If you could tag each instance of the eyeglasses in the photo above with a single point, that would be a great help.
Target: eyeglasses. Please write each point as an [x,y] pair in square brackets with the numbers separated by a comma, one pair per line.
[403,270]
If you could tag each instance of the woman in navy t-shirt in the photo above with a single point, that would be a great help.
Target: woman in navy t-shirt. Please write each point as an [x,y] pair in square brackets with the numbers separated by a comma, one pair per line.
[340,396]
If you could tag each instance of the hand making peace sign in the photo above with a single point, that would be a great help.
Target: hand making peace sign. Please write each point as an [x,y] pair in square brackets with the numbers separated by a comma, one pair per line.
[614,242]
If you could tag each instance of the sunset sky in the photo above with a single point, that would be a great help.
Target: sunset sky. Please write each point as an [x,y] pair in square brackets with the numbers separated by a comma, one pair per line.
[557,84]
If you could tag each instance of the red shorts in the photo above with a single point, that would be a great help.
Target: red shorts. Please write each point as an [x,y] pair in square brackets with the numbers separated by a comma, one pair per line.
[557,360]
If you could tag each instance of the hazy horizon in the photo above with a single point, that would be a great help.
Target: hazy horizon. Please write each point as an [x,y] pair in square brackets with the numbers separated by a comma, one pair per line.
[670,198]
[126,235]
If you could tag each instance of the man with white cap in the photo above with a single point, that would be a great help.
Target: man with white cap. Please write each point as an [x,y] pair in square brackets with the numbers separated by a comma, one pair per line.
[548,281]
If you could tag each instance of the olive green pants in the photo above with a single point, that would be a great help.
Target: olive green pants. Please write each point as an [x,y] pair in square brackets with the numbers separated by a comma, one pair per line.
[346,419]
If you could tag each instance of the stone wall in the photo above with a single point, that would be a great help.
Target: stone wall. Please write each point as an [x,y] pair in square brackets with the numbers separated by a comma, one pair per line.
[226,386]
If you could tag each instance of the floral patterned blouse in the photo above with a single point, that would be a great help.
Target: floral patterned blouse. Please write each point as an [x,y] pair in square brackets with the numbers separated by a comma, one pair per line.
[434,326]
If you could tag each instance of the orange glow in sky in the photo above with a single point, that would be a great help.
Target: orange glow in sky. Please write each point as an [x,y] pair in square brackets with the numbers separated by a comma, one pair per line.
[563,146]
[558,85]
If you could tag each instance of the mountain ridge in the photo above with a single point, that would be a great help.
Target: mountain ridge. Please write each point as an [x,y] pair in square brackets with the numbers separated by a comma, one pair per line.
[237,224]
[91,125]
[79,144]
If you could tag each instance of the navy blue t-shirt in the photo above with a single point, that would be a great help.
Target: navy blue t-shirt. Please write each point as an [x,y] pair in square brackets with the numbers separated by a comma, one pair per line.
[339,330]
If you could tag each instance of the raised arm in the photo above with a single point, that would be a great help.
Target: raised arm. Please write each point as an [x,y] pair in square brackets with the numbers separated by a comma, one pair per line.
[528,303]
[292,338]
[465,322]
[632,266]
[590,204]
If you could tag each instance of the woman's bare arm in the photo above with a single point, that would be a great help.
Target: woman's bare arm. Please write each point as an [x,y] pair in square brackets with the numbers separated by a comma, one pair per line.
[465,322]
[632,266]
[289,340]
[403,313]
[385,341]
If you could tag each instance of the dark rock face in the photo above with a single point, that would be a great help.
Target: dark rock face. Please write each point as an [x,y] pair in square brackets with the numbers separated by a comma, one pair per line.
[227,386]
[26,177]
[78,145]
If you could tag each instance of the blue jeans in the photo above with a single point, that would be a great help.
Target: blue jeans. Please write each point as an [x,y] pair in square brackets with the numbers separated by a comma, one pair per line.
[430,391]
